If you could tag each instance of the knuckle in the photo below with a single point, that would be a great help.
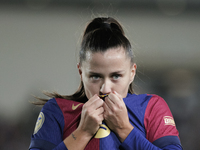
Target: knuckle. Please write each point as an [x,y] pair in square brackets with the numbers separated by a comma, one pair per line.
[109,113]
[114,108]
[105,116]
[120,106]
[102,110]
[88,111]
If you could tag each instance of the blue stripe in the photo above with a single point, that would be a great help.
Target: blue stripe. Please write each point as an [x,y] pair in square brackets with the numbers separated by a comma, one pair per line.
[41,144]
[166,140]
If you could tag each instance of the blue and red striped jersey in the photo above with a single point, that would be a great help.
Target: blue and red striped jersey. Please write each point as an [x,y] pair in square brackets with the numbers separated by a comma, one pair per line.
[154,126]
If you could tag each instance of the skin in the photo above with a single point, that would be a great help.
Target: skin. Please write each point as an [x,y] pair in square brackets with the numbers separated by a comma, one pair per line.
[109,73]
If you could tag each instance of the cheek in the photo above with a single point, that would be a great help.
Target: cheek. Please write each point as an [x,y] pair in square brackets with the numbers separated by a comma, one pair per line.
[123,87]
[90,88]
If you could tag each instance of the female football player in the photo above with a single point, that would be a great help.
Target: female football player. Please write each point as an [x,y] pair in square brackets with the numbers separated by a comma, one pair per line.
[104,113]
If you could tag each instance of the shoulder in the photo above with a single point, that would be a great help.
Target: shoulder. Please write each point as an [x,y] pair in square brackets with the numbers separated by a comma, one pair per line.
[157,103]
[137,104]
[52,110]
[157,107]
[68,105]
[157,99]
[140,100]
[51,104]
[147,104]
[54,107]
[50,124]
[59,103]
[159,122]
[144,99]
[64,107]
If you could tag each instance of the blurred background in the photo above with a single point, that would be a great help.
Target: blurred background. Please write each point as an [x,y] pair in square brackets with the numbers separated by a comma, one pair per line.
[39,44]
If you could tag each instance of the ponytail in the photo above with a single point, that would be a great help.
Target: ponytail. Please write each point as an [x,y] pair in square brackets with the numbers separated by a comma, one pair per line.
[100,34]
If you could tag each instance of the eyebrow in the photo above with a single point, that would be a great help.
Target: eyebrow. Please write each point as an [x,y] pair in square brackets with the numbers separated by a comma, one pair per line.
[116,72]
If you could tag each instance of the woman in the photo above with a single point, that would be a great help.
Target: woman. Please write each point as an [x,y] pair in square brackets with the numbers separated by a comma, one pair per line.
[104,113]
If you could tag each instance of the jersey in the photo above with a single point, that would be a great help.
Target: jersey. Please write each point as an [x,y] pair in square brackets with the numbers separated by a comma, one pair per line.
[154,126]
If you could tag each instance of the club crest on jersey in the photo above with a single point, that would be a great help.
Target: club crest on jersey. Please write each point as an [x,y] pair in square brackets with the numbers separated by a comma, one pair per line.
[39,122]
[103,131]
[169,120]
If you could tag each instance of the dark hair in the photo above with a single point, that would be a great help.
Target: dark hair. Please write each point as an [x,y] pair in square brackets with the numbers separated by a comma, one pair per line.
[100,35]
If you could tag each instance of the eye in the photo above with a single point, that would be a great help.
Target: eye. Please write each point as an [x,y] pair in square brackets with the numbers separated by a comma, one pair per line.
[95,77]
[116,76]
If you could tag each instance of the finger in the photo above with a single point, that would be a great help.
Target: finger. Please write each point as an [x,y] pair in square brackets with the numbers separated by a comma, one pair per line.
[92,99]
[107,111]
[109,103]
[95,102]
[100,110]
[98,103]
[112,99]
[97,114]
[105,106]
[118,95]
[108,106]
[114,102]
[101,118]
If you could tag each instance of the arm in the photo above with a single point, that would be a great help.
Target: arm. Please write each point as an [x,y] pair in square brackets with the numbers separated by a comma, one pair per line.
[77,140]
[49,128]
[117,119]
[136,141]
[116,116]
[91,118]
[169,147]
[50,133]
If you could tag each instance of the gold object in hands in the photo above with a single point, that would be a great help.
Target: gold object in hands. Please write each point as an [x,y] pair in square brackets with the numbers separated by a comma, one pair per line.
[103,96]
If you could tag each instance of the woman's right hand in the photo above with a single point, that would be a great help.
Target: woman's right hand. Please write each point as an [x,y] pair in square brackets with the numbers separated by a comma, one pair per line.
[91,116]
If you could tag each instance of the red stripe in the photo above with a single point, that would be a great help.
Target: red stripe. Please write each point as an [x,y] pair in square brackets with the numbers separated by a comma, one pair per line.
[154,122]
[72,119]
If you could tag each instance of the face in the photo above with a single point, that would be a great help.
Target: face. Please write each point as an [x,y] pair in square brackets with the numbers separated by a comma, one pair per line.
[102,73]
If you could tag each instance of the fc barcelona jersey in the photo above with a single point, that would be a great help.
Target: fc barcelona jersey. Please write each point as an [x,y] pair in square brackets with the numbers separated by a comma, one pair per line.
[154,126]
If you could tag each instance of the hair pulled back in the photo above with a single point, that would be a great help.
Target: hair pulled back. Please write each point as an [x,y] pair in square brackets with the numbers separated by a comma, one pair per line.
[100,35]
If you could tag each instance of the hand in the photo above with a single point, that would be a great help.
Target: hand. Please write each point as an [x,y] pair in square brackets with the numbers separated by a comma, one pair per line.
[91,116]
[116,115]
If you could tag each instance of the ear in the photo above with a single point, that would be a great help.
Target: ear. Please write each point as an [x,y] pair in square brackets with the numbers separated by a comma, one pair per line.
[133,72]
[79,70]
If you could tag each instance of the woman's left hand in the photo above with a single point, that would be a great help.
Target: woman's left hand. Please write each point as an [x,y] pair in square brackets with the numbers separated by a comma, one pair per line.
[116,115]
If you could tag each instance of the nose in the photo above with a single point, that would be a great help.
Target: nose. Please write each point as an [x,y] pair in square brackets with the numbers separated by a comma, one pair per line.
[106,87]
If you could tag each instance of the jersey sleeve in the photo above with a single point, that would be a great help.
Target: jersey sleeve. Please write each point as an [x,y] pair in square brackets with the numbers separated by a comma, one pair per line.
[160,129]
[136,141]
[159,123]
[48,133]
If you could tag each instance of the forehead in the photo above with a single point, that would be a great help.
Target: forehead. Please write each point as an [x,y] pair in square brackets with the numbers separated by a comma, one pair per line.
[109,60]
